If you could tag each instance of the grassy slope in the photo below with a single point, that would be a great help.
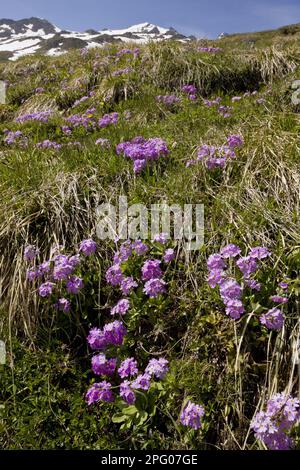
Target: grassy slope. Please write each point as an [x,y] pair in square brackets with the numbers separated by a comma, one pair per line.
[50,196]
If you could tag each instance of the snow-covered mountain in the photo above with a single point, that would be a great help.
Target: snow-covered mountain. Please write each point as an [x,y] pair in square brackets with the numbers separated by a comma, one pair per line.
[30,35]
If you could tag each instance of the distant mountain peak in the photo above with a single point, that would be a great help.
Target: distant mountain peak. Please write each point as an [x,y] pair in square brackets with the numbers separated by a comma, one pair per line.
[31,35]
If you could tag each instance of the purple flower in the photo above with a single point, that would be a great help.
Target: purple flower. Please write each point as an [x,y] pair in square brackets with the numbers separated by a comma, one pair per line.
[30,252]
[127,393]
[273,319]
[253,284]
[259,252]
[215,261]
[230,289]
[121,307]
[108,119]
[215,277]
[103,366]
[154,287]
[104,143]
[234,308]
[139,247]
[99,392]
[157,367]
[74,284]
[283,285]
[161,238]
[151,269]
[235,141]
[63,305]
[97,339]
[191,415]
[278,299]
[189,89]
[32,274]
[114,275]
[128,367]
[247,265]
[88,247]
[114,332]
[128,284]
[273,425]
[142,382]
[46,289]
[230,251]
[62,268]
[169,255]
[139,165]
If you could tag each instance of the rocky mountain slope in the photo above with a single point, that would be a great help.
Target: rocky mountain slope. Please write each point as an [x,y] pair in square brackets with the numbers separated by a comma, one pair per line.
[31,35]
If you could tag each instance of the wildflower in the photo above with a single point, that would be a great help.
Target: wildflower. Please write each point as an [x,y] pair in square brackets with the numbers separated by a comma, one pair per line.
[139,247]
[253,284]
[161,238]
[128,367]
[108,119]
[154,287]
[103,366]
[30,252]
[283,285]
[247,265]
[215,277]
[114,332]
[97,339]
[99,392]
[63,305]
[88,247]
[272,426]
[74,284]
[151,269]
[168,100]
[32,273]
[104,143]
[191,415]
[235,141]
[169,255]
[121,307]
[259,252]
[230,251]
[189,89]
[234,308]
[114,275]
[273,319]
[157,367]
[127,284]
[127,393]
[278,299]
[46,289]
[215,261]
[142,382]
[230,289]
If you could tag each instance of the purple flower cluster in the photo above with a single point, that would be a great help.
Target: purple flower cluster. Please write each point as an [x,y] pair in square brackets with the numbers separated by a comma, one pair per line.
[210,49]
[141,151]
[48,144]
[12,136]
[87,119]
[217,157]
[230,290]
[273,319]
[273,426]
[41,116]
[108,119]
[58,273]
[168,100]
[190,90]
[191,415]
[125,71]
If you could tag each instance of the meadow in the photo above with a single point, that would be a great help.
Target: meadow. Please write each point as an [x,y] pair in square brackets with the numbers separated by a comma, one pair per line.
[142,344]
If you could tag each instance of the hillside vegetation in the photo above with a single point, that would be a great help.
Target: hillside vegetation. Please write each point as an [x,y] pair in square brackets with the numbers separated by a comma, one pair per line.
[54,172]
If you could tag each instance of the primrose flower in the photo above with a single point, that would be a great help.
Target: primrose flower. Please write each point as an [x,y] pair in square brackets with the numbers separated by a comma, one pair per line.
[99,392]
[103,366]
[157,367]
[121,307]
[74,284]
[128,368]
[97,339]
[151,269]
[273,319]
[88,247]
[142,382]
[127,393]
[46,289]
[191,415]
[154,287]
[30,252]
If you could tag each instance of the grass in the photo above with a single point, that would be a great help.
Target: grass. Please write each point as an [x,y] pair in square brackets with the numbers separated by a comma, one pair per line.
[50,197]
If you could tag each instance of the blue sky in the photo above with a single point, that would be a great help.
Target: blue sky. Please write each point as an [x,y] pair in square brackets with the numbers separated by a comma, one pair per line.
[198,17]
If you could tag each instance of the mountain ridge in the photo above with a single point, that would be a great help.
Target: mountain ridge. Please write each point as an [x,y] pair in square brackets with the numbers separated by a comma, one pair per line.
[31,35]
